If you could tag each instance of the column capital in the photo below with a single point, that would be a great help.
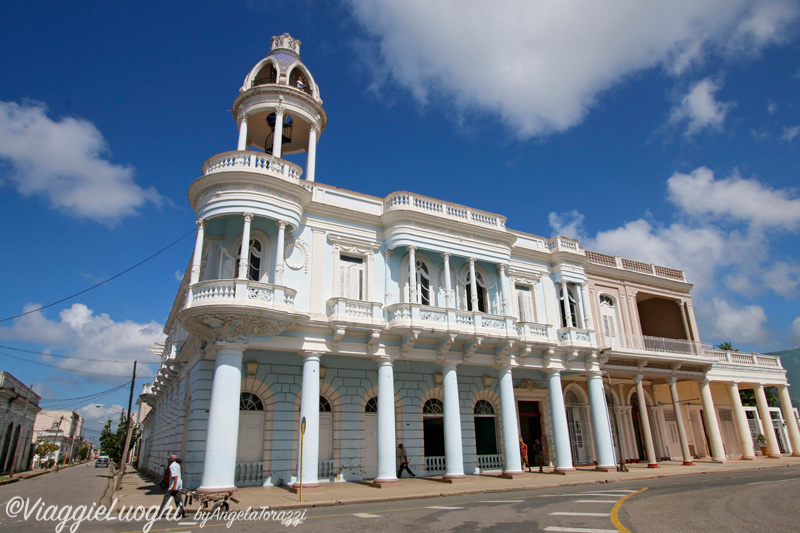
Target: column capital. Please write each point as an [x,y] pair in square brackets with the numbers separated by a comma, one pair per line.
[672,381]
[388,252]
[314,127]
[411,248]
[248,217]
[280,109]
[311,355]
[384,360]
[471,260]
[637,379]
[241,117]
[281,224]
[446,256]
[201,223]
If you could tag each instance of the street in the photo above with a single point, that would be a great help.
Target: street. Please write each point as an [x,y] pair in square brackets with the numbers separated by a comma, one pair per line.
[742,501]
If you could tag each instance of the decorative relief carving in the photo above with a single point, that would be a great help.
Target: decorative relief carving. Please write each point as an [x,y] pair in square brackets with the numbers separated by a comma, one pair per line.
[296,245]
[527,384]
[234,327]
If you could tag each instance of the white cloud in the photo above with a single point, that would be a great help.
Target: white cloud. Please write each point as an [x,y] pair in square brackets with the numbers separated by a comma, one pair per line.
[794,332]
[65,162]
[95,418]
[569,224]
[700,194]
[699,109]
[772,108]
[541,65]
[790,133]
[84,334]
[743,324]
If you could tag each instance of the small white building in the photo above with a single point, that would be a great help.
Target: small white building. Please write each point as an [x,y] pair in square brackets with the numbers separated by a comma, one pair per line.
[64,428]
[413,320]
[19,406]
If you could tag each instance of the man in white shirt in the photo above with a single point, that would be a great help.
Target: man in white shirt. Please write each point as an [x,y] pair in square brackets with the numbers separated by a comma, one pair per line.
[175,486]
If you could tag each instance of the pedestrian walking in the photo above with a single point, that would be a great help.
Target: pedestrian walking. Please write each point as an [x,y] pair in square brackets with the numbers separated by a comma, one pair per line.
[538,454]
[523,454]
[174,488]
[402,458]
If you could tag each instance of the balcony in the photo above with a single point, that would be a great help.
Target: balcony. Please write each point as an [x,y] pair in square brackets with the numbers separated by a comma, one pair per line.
[440,320]
[257,162]
[345,311]
[635,266]
[240,292]
[404,201]
[744,359]
[658,345]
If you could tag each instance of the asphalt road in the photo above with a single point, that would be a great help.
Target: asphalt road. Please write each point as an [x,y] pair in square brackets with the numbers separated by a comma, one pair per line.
[746,501]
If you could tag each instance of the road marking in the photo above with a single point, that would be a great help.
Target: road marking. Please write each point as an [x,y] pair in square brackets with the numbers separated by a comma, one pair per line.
[579,530]
[366,515]
[565,513]
[615,512]
[773,481]
[595,501]
[445,508]
[501,501]
[627,491]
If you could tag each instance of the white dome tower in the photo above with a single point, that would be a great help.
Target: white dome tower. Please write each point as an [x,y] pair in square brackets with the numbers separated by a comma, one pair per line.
[279,109]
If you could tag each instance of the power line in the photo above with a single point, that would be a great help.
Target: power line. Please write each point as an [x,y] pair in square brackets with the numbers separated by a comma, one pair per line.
[46,354]
[102,282]
[63,369]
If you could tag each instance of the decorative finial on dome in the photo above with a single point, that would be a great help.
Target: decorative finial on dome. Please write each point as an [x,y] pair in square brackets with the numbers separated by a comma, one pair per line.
[286,42]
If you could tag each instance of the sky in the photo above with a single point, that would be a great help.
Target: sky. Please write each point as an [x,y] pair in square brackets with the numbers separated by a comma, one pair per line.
[662,131]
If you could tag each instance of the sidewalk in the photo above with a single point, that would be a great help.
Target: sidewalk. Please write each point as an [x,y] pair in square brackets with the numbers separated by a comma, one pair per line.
[137,489]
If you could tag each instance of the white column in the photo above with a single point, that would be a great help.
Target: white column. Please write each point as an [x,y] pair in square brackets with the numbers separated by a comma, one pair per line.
[586,304]
[279,259]
[601,424]
[473,284]
[277,139]
[505,292]
[219,463]
[311,156]
[742,426]
[412,274]
[508,415]
[244,254]
[645,419]
[242,132]
[309,409]
[712,427]
[766,422]
[448,283]
[676,405]
[197,258]
[558,418]
[387,295]
[789,418]
[454,460]
[387,470]
[682,305]
[565,306]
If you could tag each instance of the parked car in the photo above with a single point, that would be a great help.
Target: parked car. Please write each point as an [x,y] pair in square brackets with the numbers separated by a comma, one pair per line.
[101,461]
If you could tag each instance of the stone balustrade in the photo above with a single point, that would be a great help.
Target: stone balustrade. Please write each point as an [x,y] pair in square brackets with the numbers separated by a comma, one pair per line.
[258,162]
[423,204]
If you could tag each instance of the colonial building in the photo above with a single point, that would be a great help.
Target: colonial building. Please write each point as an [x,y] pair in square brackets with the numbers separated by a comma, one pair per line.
[18,408]
[413,320]
[65,429]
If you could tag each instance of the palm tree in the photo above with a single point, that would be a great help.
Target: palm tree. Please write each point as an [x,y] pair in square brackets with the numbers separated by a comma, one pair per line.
[726,346]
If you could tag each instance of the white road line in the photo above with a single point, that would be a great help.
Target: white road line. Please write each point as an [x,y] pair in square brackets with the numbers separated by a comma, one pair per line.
[775,481]
[566,513]
[367,515]
[616,490]
[595,501]
[579,530]
[445,508]
[501,501]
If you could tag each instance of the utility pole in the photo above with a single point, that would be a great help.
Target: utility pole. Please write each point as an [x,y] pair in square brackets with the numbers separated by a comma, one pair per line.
[124,459]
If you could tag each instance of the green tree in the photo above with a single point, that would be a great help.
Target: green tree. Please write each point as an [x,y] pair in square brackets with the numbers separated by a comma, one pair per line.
[44,448]
[748,397]
[83,453]
[726,346]
[112,443]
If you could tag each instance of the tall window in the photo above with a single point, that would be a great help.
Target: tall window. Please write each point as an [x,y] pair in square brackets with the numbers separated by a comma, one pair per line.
[352,277]
[608,313]
[423,283]
[481,288]
[524,304]
[567,299]
[257,259]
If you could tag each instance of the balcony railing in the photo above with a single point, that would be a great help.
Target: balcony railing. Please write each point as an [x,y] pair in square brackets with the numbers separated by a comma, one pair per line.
[347,310]
[435,464]
[254,162]
[487,463]
[423,204]
[229,291]
[634,266]
[249,474]
[411,315]
[659,345]
[325,469]
[749,359]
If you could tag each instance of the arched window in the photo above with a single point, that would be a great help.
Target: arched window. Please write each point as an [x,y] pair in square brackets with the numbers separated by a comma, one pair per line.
[324,405]
[423,283]
[372,405]
[250,402]
[482,407]
[609,317]
[433,406]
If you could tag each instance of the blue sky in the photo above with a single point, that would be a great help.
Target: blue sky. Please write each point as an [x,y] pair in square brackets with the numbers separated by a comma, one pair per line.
[666,132]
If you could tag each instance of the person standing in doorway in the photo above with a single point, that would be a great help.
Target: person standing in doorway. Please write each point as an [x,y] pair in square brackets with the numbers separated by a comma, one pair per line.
[523,454]
[174,488]
[402,458]
[538,454]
